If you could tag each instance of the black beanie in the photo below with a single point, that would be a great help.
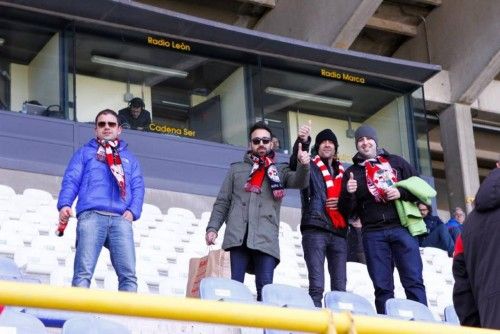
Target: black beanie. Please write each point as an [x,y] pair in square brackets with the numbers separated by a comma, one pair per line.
[365,131]
[326,134]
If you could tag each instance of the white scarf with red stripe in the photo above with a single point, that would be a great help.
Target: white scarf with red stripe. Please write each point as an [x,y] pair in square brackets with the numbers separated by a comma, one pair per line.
[333,189]
[379,177]
[108,149]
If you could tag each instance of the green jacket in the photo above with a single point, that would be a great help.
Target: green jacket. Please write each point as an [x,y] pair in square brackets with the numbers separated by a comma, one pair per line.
[259,213]
[408,212]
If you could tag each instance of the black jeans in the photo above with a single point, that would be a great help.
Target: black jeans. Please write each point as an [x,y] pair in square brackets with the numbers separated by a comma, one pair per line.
[317,246]
[383,250]
[242,258]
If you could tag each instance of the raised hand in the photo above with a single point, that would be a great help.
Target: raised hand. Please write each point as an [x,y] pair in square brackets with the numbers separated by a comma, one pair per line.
[305,132]
[352,184]
[303,156]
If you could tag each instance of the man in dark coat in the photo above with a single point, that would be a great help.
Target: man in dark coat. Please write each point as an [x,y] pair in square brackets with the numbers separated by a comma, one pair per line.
[368,192]
[323,232]
[135,117]
[476,262]
[437,233]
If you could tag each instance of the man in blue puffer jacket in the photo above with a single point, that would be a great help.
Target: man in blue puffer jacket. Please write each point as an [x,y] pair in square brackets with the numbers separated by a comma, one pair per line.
[108,181]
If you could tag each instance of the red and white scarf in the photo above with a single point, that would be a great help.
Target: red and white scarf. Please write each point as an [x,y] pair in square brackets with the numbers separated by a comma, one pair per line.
[261,167]
[333,189]
[108,150]
[379,177]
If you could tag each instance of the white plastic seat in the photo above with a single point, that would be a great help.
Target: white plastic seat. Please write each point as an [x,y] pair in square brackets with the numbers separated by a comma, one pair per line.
[171,286]
[205,216]
[61,246]
[22,322]
[6,192]
[151,212]
[181,213]
[39,196]
[36,261]
[10,241]
[61,276]
[92,324]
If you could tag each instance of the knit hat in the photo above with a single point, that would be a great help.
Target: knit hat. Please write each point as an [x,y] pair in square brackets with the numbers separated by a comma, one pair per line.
[326,134]
[365,131]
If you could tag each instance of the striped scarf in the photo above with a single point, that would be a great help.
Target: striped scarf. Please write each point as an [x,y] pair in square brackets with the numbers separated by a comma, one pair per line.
[108,150]
[333,189]
[379,177]
[261,167]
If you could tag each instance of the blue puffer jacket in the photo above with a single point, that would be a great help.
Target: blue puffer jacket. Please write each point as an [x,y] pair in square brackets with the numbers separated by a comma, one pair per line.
[91,180]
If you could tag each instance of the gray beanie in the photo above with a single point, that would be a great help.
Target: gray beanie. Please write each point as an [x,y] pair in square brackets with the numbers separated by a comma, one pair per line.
[365,131]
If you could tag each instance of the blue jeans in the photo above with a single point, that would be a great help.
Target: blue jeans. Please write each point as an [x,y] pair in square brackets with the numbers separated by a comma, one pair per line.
[383,250]
[317,246]
[243,258]
[95,230]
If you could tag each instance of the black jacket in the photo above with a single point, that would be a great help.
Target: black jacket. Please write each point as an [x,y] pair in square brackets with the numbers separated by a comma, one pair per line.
[313,198]
[476,262]
[140,123]
[374,215]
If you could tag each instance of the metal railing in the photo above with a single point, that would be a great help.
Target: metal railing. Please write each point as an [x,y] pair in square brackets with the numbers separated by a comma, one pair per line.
[206,311]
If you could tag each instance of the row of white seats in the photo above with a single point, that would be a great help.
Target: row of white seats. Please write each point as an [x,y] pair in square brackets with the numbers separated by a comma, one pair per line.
[179,235]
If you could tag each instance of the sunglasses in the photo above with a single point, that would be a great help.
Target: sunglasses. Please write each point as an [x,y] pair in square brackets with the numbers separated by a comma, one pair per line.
[264,140]
[103,124]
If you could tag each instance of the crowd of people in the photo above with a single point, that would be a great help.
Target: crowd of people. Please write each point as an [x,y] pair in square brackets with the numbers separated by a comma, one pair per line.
[359,213]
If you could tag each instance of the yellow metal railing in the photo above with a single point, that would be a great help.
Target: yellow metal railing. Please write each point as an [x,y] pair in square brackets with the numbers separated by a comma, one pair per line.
[189,309]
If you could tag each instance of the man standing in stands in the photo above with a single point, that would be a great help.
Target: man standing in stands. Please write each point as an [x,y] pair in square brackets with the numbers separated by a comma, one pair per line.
[108,181]
[249,203]
[368,192]
[322,226]
[454,225]
[476,264]
[135,117]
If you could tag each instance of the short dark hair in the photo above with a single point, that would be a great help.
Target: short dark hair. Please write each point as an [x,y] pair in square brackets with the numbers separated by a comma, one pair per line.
[257,126]
[136,102]
[429,207]
[106,112]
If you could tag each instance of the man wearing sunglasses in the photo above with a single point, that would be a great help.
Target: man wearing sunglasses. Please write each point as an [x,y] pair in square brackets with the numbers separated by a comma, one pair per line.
[249,203]
[108,181]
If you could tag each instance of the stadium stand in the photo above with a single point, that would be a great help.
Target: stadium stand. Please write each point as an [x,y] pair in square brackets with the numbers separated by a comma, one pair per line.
[339,301]
[408,309]
[22,322]
[88,324]
[164,245]
[224,289]
[450,315]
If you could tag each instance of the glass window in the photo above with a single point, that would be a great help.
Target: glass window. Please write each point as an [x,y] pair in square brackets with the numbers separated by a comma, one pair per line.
[287,100]
[184,94]
[30,68]
[422,128]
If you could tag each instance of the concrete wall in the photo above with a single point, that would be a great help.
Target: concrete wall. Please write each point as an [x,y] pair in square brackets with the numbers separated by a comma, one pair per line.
[489,99]
[463,37]
[19,86]
[233,105]
[90,98]
[44,75]
[302,20]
